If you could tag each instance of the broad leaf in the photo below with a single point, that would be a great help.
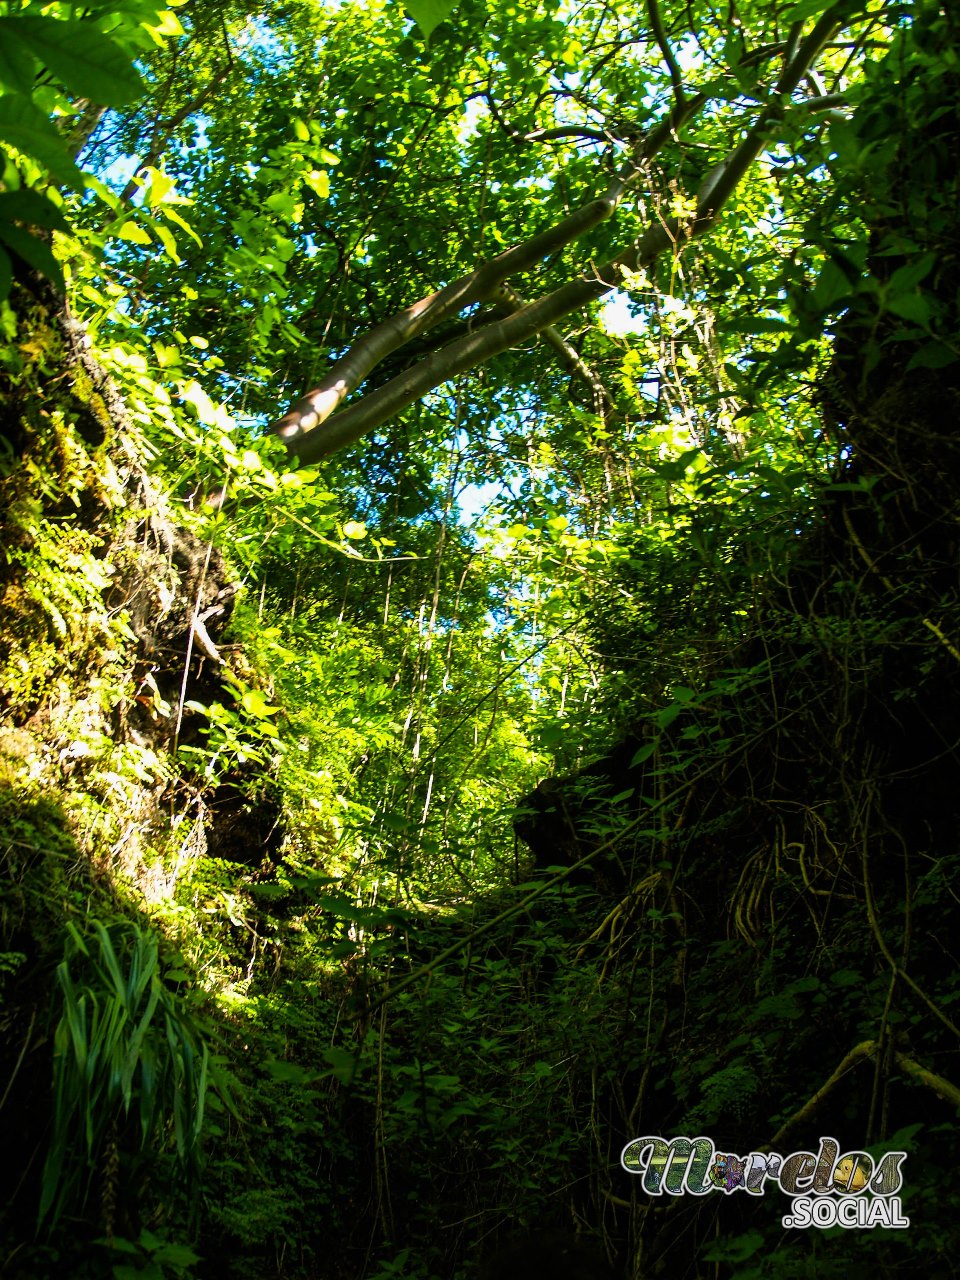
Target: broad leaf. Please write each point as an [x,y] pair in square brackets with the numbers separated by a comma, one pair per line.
[32,208]
[17,65]
[91,64]
[29,130]
[32,251]
[428,14]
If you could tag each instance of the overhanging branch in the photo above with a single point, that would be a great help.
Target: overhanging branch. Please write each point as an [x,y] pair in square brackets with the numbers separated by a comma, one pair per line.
[354,367]
[299,427]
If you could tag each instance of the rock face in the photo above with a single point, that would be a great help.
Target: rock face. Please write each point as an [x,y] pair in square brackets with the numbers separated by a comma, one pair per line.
[113,615]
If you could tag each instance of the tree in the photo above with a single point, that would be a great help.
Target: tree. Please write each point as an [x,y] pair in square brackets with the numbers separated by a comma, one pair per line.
[749,51]
[378,173]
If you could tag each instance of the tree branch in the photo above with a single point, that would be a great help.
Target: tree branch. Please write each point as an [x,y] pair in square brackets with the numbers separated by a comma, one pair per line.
[866,1049]
[478,285]
[566,131]
[570,359]
[298,426]
[162,136]
[660,35]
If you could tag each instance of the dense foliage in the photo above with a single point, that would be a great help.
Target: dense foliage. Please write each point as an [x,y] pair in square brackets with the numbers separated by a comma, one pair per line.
[481,625]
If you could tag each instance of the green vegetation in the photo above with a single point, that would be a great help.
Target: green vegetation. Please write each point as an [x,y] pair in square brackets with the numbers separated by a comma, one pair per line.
[480,644]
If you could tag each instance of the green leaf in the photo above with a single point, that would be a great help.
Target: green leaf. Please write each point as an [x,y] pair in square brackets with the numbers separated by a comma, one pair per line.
[551,735]
[167,355]
[666,717]
[936,355]
[161,185]
[319,182]
[810,982]
[910,306]
[676,468]
[134,232]
[29,130]
[355,530]
[168,242]
[343,1063]
[166,22]
[342,908]
[832,287]
[17,67]
[6,275]
[33,251]
[910,275]
[737,1249]
[282,203]
[846,978]
[182,223]
[845,141]
[32,208]
[91,64]
[428,14]
[395,822]
[288,1072]
[120,1245]
[177,1255]
[149,1241]
[255,704]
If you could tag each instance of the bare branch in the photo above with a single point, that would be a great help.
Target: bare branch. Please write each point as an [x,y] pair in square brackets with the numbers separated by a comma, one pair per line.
[660,35]
[351,369]
[570,359]
[556,133]
[796,66]
[566,131]
[825,103]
